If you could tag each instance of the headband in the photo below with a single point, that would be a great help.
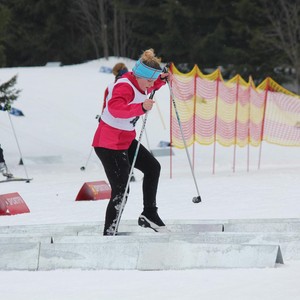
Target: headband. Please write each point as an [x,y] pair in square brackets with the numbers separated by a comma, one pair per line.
[143,71]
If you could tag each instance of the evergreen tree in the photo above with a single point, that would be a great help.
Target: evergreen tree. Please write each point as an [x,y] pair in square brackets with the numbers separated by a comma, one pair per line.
[247,54]
[4,20]
[174,36]
[8,93]
[208,32]
[234,34]
[40,31]
[144,24]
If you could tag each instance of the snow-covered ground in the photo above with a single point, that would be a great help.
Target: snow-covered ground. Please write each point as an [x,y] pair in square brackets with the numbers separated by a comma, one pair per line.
[60,105]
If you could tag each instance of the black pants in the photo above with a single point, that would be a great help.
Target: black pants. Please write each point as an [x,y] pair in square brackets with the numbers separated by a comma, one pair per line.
[1,156]
[117,164]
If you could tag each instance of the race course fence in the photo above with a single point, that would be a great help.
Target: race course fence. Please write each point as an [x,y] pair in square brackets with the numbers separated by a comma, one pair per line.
[232,113]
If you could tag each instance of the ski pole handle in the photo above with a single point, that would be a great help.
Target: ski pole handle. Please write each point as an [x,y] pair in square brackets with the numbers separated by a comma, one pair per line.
[152,94]
[166,70]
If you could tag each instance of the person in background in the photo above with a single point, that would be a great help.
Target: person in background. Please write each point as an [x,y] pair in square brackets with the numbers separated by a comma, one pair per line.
[115,144]
[3,167]
[118,70]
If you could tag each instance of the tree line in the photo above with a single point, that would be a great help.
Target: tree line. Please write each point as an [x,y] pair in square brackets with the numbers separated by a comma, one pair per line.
[251,38]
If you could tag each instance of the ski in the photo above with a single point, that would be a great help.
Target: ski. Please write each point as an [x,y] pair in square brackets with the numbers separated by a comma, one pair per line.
[16,179]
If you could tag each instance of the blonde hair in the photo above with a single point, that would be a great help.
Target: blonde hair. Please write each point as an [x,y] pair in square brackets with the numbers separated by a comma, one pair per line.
[149,59]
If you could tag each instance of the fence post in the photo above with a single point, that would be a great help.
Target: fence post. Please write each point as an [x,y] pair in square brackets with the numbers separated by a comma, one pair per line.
[263,120]
[171,127]
[194,115]
[236,120]
[216,115]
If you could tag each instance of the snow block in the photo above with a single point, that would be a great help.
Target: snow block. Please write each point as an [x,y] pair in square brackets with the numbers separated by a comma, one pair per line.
[182,255]
[174,228]
[290,251]
[21,239]
[113,254]
[272,238]
[289,242]
[12,204]
[95,190]
[49,229]
[261,226]
[103,256]
[127,228]
[20,256]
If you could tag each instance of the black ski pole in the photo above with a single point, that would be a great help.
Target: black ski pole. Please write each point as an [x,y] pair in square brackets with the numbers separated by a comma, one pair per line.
[21,156]
[195,199]
[84,167]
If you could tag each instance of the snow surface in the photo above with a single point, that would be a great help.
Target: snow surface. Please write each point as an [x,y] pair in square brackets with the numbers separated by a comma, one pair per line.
[60,105]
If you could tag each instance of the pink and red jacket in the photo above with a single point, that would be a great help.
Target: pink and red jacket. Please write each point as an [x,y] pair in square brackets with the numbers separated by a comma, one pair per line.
[121,108]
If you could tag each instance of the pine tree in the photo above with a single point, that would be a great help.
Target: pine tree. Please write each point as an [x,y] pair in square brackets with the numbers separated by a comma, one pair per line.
[8,93]
[4,20]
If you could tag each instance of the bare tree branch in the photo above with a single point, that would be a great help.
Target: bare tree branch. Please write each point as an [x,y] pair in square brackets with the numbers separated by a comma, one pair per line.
[284,31]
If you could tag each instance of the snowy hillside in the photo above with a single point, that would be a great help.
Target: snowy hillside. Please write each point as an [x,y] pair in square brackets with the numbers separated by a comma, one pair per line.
[60,106]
